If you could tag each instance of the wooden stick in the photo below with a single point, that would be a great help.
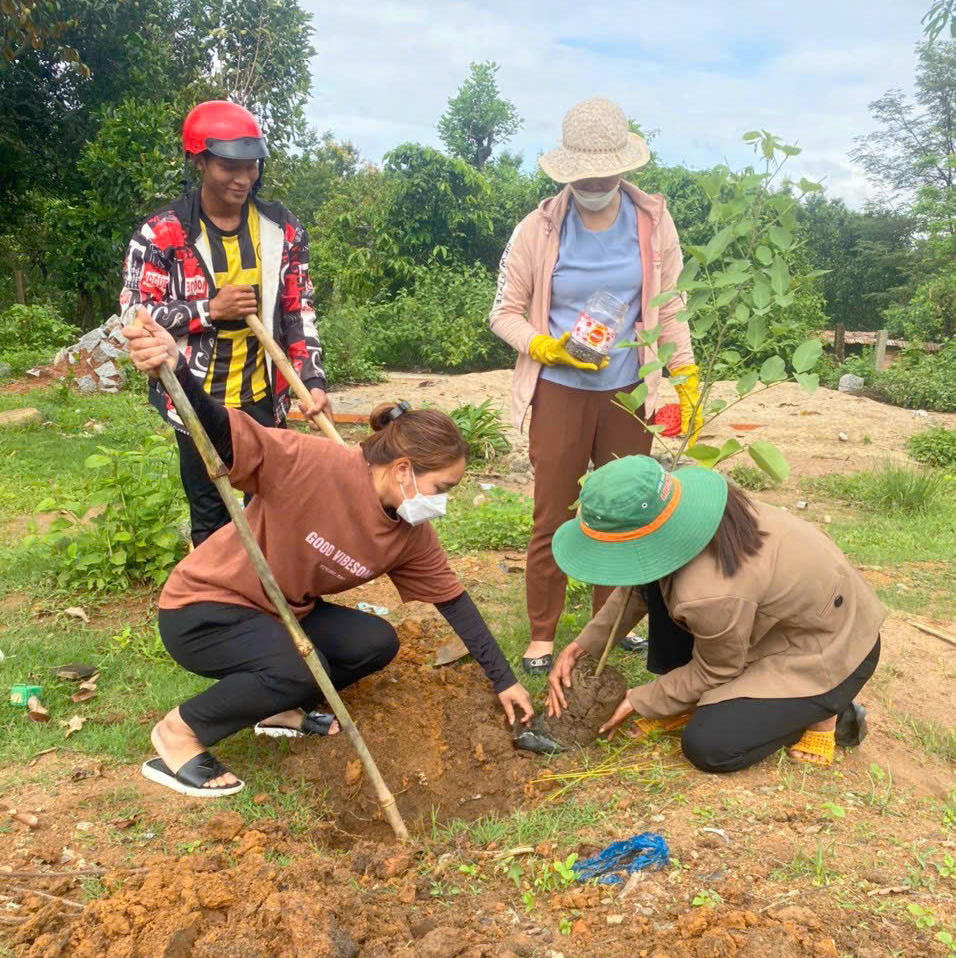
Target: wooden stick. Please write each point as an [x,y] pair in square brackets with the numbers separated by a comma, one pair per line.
[929,630]
[291,376]
[43,894]
[217,472]
[613,632]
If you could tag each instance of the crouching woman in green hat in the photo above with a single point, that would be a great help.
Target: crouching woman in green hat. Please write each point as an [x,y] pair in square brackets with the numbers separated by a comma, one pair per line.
[760,631]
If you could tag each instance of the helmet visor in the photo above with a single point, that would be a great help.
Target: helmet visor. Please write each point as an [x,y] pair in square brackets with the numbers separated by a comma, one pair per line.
[241,148]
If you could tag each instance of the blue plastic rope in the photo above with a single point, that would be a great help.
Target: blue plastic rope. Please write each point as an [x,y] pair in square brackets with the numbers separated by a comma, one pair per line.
[647,850]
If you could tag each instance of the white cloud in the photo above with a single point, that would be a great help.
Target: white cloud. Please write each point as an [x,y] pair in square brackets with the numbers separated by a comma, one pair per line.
[698,72]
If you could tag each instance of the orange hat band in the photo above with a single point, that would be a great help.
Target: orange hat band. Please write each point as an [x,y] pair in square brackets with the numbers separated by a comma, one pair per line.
[636,533]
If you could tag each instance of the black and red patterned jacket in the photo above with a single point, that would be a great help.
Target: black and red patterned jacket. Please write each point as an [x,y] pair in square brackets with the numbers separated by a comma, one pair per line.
[168,271]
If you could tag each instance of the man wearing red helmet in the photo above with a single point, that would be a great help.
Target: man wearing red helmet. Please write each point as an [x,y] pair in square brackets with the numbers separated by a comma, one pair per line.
[204,262]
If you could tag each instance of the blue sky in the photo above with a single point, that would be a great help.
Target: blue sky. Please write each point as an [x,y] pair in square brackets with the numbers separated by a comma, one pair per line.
[699,73]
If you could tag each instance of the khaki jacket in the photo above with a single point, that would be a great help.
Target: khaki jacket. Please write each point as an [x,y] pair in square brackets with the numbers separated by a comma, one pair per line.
[794,621]
[523,298]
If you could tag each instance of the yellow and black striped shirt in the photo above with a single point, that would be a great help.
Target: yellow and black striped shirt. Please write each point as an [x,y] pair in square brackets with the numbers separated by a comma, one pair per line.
[237,368]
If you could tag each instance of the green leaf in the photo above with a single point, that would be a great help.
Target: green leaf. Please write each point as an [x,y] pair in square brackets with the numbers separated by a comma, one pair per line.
[730,448]
[741,312]
[790,150]
[785,301]
[666,351]
[751,135]
[688,273]
[651,367]
[45,505]
[726,297]
[96,461]
[746,383]
[761,293]
[779,276]
[661,298]
[703,323]
[806,355]
[808,381]
[756,332]
[773,370]
[808,186]
[647,337]
[718,244]
[707,456]
[781,238]
[633,400]
[718,405]
[764,255]
[118,557]
[768,458]
[730,278]
[730,356]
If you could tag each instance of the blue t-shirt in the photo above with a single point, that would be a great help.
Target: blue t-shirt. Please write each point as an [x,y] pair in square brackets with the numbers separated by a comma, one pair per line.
[590,262]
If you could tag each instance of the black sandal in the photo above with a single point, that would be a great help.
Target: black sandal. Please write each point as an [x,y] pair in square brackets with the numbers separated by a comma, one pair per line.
[539,666]
[851,726]
[633,643]
[191,778]
[314,723]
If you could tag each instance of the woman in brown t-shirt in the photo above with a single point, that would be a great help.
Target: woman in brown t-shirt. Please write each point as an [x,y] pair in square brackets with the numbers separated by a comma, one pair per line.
[328,518]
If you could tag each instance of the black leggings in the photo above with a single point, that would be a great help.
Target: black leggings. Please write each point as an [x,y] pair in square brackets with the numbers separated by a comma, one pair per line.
[732,735]
[260,672]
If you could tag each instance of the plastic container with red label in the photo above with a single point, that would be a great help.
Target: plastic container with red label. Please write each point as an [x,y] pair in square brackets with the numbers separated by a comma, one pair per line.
[598,326]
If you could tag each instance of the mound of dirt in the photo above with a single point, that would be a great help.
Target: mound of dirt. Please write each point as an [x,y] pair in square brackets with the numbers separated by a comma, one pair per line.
[591,702]
[439,738]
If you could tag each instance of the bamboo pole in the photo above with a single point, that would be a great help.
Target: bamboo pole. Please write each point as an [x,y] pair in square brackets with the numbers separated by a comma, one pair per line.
[613,632]
[291,376]
[217,472]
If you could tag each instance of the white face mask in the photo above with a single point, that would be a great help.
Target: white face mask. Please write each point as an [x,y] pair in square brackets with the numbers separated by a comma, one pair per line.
[594,201]
[422,508]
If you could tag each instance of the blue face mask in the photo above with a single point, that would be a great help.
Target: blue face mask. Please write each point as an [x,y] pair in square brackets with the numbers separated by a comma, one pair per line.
[420,508]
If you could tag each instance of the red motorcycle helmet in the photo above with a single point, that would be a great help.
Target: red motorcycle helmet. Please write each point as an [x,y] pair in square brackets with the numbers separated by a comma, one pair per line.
[224,129]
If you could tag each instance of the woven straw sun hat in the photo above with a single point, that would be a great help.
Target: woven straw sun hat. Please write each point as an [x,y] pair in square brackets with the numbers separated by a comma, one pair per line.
[596,141]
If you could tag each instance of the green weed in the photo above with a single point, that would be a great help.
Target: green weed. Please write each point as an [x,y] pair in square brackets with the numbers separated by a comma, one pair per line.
[483,430]
[503,521]
[751,478]
[889,488]
[934,447]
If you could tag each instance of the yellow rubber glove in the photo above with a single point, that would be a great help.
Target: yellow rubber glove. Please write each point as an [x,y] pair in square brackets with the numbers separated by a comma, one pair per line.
[551,352]
[688,392]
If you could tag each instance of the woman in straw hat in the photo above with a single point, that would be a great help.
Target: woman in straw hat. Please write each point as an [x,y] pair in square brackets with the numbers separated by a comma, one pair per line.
[599,234]
[760,630]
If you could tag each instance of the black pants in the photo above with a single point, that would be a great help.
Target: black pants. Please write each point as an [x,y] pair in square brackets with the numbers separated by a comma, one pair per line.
[259,670]
[735,734]
[207,512]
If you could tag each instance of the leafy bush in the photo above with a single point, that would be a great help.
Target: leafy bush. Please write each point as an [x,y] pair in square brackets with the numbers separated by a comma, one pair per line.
[934,447]
[345,348]
[127,530]
[36,329]
[890,488]
[750,478]
[919,380]
[502,522]
[860,364]
[482,428]
[440,324]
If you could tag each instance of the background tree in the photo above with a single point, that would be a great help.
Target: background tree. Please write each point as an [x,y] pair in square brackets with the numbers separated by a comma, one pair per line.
[478,118]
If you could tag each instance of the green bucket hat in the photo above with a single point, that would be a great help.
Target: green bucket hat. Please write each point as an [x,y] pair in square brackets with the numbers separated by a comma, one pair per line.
[639,523]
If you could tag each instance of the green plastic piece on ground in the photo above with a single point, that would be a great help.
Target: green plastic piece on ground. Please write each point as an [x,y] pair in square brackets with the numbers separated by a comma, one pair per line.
[20,694]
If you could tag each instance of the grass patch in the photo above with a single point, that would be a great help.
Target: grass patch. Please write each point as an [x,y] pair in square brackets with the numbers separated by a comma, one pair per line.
[553,823]
[933,738]
[934,447]
[890,488]
[751,478]
[501,520]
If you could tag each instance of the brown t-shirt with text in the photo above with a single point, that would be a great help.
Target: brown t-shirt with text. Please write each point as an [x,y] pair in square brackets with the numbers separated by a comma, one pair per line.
[318,521]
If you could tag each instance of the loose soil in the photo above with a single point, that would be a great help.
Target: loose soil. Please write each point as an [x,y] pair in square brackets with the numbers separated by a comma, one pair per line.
[591,702]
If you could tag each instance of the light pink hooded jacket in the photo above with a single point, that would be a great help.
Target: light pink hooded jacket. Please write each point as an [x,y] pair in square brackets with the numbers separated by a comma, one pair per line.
[523,298]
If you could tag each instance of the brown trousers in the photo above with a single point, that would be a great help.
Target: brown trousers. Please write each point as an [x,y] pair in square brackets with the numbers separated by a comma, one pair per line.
[569,428]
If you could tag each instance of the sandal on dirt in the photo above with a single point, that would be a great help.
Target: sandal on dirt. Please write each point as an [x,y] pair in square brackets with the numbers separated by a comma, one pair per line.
[669,723]
[192,776]
[539,666]
[820,744]
[851,727]
[314,723]
[633,643]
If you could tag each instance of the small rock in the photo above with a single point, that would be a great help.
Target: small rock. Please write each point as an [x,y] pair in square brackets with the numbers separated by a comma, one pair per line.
[920,414]
[851,384]
[657,818]
[89,341]
[442,942]
[83,826]
[86,384]
[799,915]
[801,504]
[104,352]
[27,416]
[615,919]
[261,799]
[224,826]
[827,520]
[353,772]
[843,437]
